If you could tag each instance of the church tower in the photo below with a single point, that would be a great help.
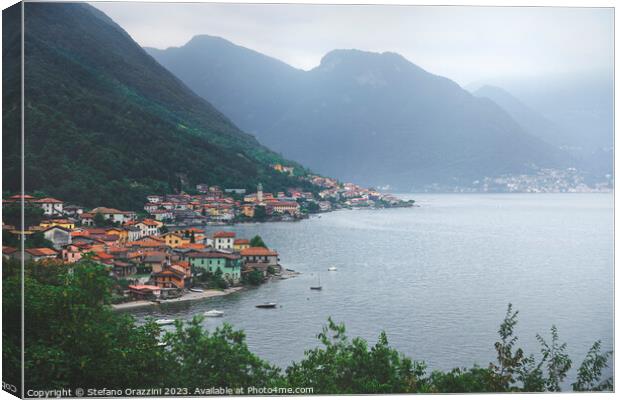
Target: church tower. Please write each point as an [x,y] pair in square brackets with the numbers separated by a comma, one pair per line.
[259,193]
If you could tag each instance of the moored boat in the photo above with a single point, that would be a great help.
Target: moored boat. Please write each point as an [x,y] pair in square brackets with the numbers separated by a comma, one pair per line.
[214,313]
[266,305]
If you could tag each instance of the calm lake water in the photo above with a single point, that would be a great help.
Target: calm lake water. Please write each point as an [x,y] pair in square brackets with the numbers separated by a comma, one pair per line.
[437,278]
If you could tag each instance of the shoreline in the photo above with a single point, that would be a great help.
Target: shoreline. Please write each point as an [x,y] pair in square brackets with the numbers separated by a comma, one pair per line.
[190,296]
[195,296]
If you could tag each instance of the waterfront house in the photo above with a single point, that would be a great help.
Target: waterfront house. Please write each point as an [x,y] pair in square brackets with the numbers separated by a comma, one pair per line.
[260,255]
[211,261]
[144,292]
[172,277]
[283,207]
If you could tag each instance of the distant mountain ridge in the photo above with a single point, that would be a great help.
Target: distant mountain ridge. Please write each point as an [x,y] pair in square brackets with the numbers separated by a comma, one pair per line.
[373,118]
[106,124]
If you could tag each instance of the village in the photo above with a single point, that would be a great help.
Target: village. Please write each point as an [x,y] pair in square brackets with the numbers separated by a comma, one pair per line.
[164,251]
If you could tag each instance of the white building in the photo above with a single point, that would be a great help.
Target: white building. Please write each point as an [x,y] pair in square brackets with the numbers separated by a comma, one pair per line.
[224,240]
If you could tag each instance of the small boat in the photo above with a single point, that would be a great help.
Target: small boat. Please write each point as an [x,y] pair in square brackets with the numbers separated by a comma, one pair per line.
[197,290]
[266,305]
[164,322]
[214,313]
[318,287]
[332,269]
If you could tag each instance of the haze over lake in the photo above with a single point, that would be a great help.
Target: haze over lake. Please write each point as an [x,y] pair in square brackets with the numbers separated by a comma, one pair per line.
[437,278]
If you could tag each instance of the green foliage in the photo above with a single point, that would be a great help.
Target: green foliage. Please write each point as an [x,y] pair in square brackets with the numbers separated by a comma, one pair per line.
[260,213]
[11,215]
[195,358]
[257,241]
[344,366]
[100,221]
[591,371]
[254,278]
[73,339]
[107,125]
[558,362]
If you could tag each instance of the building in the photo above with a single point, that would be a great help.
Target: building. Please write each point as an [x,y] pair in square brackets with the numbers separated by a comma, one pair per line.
[64,223]
[149,227]
[114,215]
[175,239]
[260,255]
[58,235]
[50,206]
[172,277]
[240,244]
[41,253]
[228,263]
[144,292]
[223,240]
[284,207]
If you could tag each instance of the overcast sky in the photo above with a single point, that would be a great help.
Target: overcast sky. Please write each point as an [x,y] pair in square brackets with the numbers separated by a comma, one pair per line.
[466,44]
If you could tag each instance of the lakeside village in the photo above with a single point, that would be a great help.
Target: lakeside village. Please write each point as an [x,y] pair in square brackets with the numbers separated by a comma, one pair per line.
[164,253]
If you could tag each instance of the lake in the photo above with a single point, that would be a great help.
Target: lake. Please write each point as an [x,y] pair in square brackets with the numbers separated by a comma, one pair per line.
[437,278]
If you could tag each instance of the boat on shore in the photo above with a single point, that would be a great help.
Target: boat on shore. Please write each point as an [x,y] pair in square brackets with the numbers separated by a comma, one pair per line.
[162,322]
[197,290]
[266,305]
[213,313]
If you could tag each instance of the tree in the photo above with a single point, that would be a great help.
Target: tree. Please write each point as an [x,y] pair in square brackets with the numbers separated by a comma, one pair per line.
[260,213]
[11,215]
[253,278]
[257,241]
[100,221]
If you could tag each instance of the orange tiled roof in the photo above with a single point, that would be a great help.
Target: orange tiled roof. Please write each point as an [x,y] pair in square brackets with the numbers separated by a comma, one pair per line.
[224,234]
[42,251]
[258,251]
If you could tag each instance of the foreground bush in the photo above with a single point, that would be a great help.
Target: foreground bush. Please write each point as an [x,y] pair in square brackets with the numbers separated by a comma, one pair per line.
[74,339]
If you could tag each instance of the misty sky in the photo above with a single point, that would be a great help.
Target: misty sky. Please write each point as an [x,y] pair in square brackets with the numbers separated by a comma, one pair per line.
[466,44]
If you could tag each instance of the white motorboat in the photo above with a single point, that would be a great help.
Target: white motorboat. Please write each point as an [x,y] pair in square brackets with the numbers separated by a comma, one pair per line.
[214,313]
[164,322]
[197,290]
[332,269]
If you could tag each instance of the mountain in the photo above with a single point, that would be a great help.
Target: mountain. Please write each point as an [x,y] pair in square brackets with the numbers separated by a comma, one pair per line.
[586,137]
[373,118]
[532,121]
[106,124]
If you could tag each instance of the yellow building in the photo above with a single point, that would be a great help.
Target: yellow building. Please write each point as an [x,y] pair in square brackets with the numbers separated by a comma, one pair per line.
[174,239]
[123,234]
[241,244]
[63,223]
